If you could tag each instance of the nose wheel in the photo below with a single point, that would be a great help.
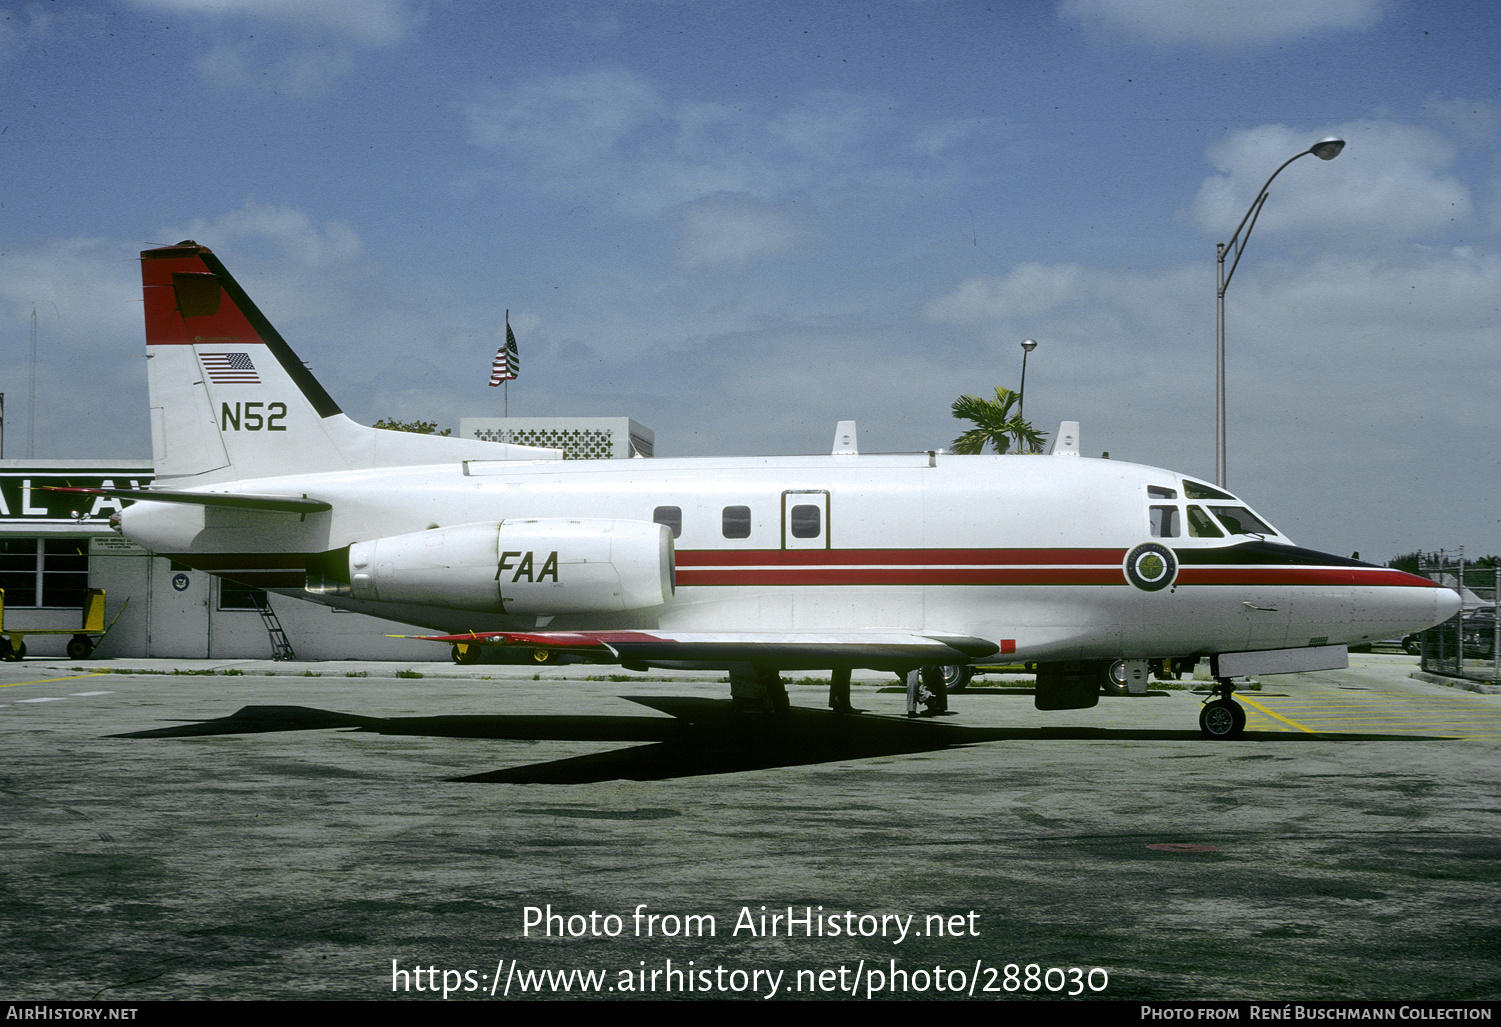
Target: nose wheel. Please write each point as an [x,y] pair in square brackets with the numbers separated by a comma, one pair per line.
[1222,717]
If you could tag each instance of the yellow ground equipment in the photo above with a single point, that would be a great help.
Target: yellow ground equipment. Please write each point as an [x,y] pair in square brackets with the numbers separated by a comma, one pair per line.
[13,640]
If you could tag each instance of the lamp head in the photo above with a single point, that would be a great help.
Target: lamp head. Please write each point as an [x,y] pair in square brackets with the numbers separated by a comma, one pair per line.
[1029,344]
[1327,149]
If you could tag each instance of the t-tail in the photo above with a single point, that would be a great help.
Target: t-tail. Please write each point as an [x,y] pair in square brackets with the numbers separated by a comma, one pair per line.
[231,401]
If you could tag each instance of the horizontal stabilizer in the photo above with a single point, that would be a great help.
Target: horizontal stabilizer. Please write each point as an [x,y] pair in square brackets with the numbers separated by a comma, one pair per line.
[233,501]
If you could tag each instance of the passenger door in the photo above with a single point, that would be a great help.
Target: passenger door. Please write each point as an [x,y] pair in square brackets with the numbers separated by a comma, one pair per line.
[805,519]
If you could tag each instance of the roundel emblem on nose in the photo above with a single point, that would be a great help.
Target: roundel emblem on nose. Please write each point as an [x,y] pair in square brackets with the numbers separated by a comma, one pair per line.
[1151,566]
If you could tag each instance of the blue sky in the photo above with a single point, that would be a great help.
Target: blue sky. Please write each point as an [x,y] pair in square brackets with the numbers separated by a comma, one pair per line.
[741,222]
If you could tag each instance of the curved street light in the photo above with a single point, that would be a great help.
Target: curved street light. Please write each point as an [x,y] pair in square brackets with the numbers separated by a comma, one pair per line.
[1028,345]
[1325,149]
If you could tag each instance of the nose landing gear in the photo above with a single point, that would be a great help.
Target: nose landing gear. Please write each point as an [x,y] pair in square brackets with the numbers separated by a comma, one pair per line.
[1222,716]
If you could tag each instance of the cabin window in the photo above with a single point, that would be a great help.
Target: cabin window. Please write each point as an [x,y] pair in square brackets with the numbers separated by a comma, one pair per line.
[1165,522]
[1240,521]
[672,516]
[806,521]
[1201,525]
[736,522]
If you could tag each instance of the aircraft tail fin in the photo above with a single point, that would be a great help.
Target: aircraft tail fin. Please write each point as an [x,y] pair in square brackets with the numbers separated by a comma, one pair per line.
[230,400]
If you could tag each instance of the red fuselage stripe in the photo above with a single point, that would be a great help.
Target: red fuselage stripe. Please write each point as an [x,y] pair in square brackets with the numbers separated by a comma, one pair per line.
[896,557]
[775,567]
[902,576]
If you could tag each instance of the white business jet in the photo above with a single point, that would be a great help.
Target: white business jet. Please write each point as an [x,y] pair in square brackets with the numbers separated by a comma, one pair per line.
[907,563]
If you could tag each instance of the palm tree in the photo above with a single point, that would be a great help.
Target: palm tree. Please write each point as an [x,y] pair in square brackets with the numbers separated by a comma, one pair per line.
[995,425]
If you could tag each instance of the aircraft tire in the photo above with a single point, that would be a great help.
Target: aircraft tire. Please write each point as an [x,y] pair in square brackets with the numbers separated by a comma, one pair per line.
[79,647]
[1222,719]
[465,654]
[1113,678]
[957,679]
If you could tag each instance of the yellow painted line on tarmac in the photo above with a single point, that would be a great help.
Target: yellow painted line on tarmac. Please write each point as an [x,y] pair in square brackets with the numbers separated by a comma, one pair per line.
[1447,718]
[1275,716]
[48,681]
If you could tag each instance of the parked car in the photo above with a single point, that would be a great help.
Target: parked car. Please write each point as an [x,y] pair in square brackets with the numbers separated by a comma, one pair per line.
[1477,633]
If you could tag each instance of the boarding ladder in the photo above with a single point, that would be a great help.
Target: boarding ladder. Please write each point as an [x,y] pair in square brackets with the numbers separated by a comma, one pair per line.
[281,648]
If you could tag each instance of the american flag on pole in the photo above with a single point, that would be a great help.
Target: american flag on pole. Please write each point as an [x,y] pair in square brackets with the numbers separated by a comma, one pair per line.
[507,364]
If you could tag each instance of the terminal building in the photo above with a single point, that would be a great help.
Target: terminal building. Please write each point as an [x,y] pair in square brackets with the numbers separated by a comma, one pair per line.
[580,438]
[54,546]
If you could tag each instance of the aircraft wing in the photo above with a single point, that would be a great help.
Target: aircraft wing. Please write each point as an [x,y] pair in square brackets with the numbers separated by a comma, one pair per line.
[232,500]
[874,650]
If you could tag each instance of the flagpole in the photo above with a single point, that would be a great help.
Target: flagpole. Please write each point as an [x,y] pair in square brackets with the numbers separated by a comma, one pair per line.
[506,391]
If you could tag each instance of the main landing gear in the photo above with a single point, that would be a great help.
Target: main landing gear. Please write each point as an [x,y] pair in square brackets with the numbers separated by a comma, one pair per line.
[1222,716]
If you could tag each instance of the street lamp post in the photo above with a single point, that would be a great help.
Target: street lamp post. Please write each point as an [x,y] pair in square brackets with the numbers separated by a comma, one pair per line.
[1324,149]
[1028,345]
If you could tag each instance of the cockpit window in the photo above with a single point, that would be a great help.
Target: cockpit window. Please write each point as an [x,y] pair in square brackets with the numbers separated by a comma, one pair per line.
[1161,492]
[1165,522]
[1201,525]
[1198,490]
[1240,521]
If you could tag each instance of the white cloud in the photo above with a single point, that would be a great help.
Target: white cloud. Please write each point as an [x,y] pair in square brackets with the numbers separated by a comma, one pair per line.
[301,73]
[362,22]
[1476,120]
[733,227]
[56,278]
[17,29]
[297,236]
[1391,184]
[608,135]
[1222,22]
[90,374]
[568,122]
[1030,290]
[315,48]
[611,135]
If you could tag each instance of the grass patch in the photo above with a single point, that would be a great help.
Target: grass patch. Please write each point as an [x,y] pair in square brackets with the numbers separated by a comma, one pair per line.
[312,674]
[356,673]
[408,674]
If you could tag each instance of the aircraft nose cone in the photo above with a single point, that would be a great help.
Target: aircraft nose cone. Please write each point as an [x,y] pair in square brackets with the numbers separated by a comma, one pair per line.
[1446,604]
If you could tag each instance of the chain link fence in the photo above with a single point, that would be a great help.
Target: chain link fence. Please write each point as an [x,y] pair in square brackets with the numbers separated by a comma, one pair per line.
[1468,645]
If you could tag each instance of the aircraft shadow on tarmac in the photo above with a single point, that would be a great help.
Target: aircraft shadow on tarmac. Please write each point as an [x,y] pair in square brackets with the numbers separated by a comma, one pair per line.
[705,736]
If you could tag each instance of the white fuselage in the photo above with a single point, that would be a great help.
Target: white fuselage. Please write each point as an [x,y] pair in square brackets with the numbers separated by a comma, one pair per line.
[1030,550]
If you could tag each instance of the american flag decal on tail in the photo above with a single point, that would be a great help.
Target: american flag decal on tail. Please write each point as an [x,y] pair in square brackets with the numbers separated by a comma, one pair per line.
[229,368]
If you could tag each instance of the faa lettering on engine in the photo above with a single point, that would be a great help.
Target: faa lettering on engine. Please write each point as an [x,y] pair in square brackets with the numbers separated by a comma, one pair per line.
[545,566]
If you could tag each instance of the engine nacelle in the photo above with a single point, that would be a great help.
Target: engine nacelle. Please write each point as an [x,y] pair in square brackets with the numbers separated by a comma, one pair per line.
[544,566]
